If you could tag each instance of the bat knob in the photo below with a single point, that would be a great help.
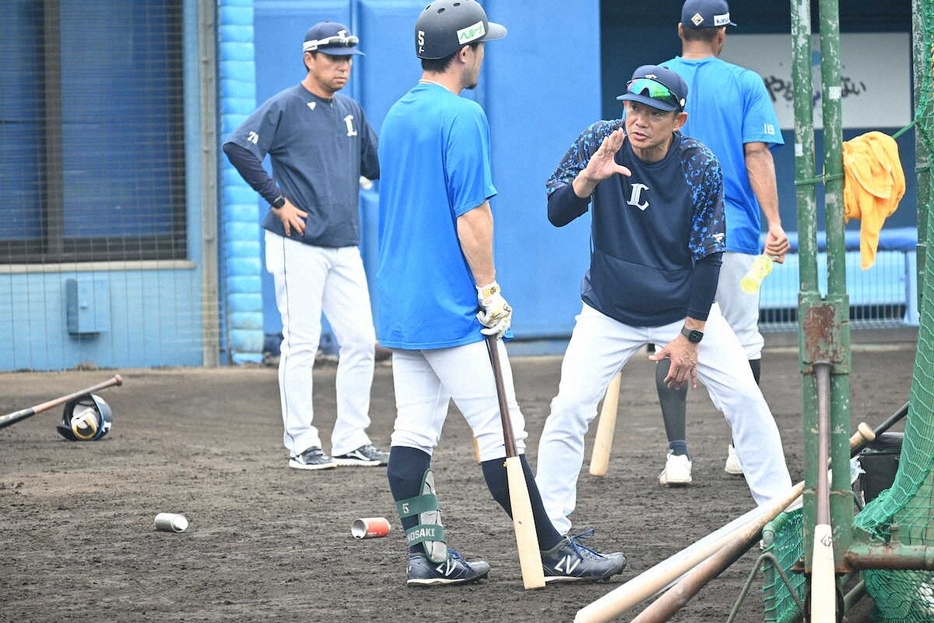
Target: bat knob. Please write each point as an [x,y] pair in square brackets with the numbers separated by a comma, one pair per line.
[867,433]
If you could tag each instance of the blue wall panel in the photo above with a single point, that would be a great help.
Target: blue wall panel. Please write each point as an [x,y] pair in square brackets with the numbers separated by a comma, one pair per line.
[539,97]
[388,71]
[155,319]
[241,309]
[390,67]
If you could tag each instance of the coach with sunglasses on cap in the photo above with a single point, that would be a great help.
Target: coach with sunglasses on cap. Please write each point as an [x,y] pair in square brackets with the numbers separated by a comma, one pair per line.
[656,198]
[319,144]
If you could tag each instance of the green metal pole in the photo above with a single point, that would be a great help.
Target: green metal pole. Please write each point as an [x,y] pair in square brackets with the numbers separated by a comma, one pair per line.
[838,332]
[808,294]
[803,85]
[923,55]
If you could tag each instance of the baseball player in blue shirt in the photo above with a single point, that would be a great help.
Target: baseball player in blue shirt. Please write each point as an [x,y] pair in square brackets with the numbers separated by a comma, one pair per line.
[438,298]
[319,144]
[730,112]
[657,240]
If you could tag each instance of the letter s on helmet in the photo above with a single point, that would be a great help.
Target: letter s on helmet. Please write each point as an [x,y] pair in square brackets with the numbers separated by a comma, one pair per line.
[445,26]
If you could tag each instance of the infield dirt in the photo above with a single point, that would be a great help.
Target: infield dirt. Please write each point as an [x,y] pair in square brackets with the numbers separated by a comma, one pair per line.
[270,543]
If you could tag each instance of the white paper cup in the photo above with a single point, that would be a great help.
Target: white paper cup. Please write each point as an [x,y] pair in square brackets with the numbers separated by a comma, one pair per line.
[170,522]
[370,528]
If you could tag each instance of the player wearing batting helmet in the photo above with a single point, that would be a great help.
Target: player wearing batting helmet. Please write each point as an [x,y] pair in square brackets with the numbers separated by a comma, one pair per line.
[656,198]
[319,145]
[438,298]
[731,112]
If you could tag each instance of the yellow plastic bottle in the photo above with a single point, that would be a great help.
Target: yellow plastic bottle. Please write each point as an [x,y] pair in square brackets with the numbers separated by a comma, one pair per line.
[759,270]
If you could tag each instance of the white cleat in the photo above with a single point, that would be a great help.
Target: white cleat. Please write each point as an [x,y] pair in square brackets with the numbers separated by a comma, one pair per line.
[677,472]
[733,465]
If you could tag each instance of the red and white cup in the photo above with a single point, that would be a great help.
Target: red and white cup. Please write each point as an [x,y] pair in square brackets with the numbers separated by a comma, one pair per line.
[370,528]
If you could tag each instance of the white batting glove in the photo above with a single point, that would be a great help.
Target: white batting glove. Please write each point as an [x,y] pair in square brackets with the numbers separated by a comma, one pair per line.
[495,313]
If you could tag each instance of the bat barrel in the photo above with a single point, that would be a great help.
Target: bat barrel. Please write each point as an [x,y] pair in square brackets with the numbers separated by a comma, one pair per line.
[530,559]
[823,567]
[606,427]
[822,372]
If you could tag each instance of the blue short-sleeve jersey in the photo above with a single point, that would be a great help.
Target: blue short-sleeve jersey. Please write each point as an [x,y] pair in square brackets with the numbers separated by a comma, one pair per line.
[729,106]
[435,166]
[648,229]
[318,149]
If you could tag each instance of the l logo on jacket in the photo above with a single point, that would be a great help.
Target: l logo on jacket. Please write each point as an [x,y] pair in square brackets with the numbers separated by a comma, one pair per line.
[635,196]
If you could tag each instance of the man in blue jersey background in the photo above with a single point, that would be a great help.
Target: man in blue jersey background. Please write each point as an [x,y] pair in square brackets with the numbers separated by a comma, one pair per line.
[438,298]
[319,144]
[730,112]
[656,199]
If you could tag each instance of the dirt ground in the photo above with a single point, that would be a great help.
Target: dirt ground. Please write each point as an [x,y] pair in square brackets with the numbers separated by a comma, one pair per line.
[269,543]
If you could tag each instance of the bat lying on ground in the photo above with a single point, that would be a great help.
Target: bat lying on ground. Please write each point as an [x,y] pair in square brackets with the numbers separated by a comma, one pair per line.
[741,530]
[22,414]
[678,595]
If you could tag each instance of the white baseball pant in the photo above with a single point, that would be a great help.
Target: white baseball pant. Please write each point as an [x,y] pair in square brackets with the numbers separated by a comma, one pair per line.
[598,349]
[310,280]
[425,382]
[740,309]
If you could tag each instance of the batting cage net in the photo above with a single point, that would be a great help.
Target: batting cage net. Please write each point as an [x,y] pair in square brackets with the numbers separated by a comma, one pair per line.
[904,513]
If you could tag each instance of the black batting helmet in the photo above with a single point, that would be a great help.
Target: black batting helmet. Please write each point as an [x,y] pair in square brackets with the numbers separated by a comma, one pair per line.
[87,418]
[447,25]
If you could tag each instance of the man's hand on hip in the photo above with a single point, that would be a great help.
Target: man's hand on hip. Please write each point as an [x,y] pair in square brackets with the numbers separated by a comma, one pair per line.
[292,218]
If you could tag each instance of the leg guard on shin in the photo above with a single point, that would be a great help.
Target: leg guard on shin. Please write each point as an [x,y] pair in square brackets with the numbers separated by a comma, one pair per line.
[673,403]
[429,531]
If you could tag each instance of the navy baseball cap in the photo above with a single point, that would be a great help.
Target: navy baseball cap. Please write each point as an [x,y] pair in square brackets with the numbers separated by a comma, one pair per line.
[657,87]
[331,38]
[705,14]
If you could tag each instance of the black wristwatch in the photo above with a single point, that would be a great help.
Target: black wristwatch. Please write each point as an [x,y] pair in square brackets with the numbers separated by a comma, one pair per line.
[278,202]
[693,335]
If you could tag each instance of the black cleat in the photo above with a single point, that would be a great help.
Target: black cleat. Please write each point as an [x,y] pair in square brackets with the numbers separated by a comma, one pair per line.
[570,561]
[364,456]
[454,570]
[312,458]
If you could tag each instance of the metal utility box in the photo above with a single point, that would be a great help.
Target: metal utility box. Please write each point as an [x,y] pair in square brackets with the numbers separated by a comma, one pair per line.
[87,304]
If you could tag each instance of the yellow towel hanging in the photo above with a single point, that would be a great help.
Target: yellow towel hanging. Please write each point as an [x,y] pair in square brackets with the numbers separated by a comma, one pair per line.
[873,184]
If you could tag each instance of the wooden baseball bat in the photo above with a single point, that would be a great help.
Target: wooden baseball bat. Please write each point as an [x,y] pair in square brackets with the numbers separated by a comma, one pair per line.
[22,414]
[650,582]
[663,608]
[734,544]
[603,442]
[530,558]
[823,568]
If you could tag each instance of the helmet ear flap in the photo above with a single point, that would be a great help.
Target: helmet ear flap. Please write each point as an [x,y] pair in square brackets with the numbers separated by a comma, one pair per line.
[87,418]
